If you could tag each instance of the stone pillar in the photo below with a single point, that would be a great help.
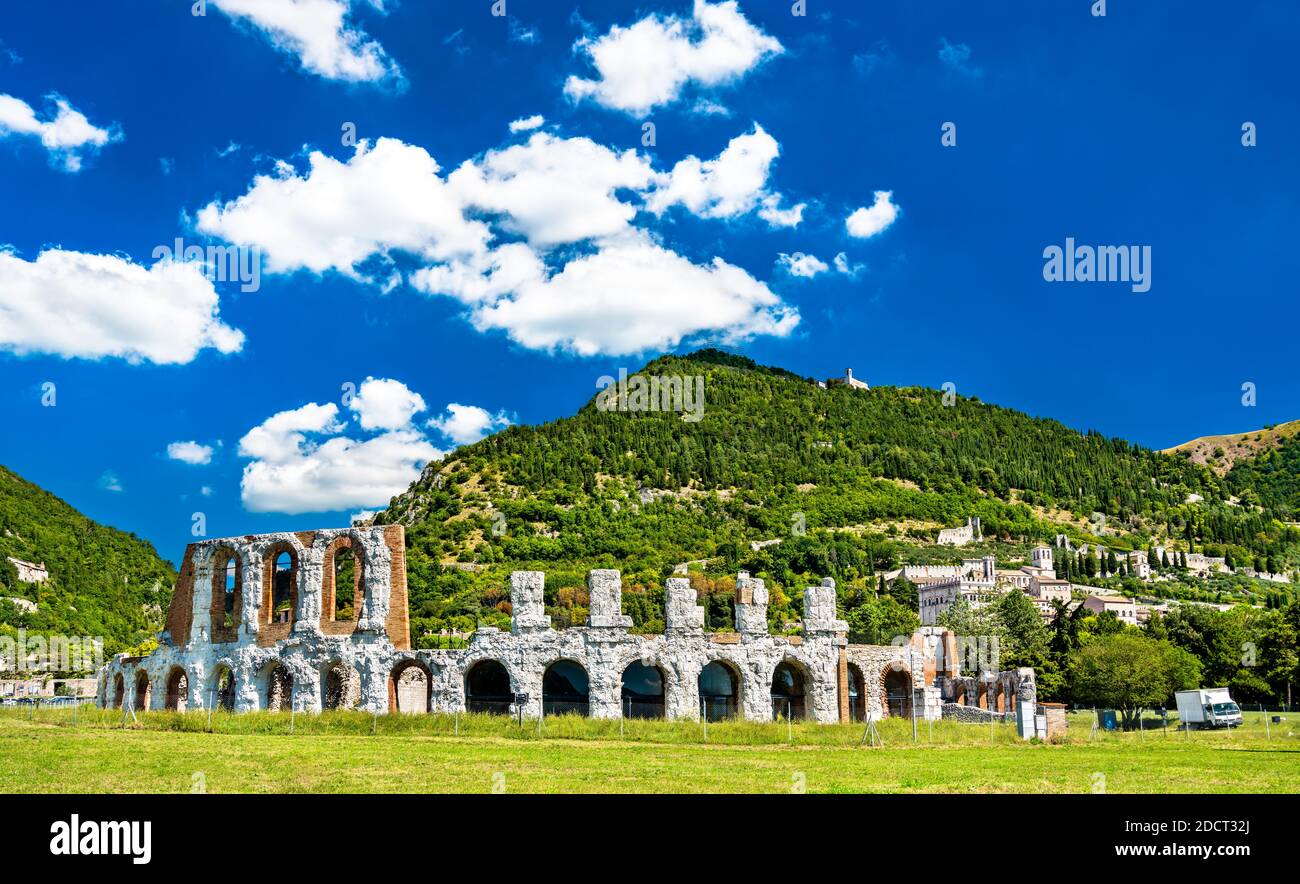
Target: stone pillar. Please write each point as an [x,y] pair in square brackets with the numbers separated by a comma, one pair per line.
[681,613]
[751,605]
[842,680]
[605,611]
[819,610]
[528,603]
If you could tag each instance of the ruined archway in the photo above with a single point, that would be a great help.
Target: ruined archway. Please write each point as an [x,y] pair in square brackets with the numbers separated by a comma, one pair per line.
[791,685]
[178,690]
[142,691]
[565,689]
[119,691]
[340,686]
[280,587]
[222,689]
[279,688]
[487,688]
[719,685]
[227,595]
[896,692]
[410,688]
[857,688]
[342,587]
[643,691]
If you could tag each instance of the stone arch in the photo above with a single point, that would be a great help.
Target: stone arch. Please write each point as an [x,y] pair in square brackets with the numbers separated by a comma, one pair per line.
[791,689]
[227,595]
[410,688]
[279,686]
[178,690]
[896,691]
[280,570]
[857,688]
[340,686]
[959,693]
[566,688]
[489,687]
[722,690]
[982,694]
[143,690]
[119,691]
[644,690]
[221,689]
[341,606]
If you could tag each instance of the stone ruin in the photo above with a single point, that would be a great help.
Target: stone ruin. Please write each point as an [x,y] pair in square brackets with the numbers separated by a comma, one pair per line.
[268,623]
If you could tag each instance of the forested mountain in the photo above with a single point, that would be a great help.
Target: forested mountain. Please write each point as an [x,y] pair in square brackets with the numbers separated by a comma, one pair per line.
[102,582]
[851,482]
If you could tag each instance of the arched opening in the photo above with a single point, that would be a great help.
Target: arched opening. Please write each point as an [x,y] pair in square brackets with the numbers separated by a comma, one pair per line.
[223,689]
[279,688]
[410,688]
[119,691]
[178,690]
[643,691]
[487,688]
[279,594]
[719,691]
[896,692]
[227,595]
[857,694]
[142,692]
[789,692]
[565,689]
[342,587]
[340,687]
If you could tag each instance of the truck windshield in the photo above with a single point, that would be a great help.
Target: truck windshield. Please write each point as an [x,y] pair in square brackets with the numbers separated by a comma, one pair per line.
[1225,709]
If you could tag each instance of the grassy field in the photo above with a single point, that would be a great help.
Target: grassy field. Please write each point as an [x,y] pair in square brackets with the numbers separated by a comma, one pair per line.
[44,751]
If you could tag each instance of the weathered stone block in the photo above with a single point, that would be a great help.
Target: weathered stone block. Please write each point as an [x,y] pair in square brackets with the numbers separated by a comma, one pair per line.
[751,605]
[819,610]
[681,613]
[528,602]
[605,611]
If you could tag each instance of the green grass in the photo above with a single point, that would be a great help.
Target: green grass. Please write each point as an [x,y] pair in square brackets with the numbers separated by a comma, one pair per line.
[356,752]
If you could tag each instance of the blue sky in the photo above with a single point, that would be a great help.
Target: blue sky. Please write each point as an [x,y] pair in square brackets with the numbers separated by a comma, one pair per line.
[456,262]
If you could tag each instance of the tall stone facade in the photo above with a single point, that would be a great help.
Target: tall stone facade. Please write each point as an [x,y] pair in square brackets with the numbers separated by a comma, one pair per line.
[258,623]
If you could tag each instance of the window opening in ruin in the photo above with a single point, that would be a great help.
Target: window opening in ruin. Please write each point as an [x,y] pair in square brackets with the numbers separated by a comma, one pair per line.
[643,691]
[345,581]
[564,689]
[487,688]
[281,589]
[788,696]
[719,691]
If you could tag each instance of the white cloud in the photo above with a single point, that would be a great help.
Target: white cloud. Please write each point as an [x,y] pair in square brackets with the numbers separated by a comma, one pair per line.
[319,34]
[867,222]
[526,124]
[630,296]
[956,57]
[467,424]
[191,453]
[303,461]
[110,482]
[79,305]
[732,184]
[337,215]
[843,265]
[385,405]
[66,137]
[206,491]
[801,265]
[648,64]
[554,190]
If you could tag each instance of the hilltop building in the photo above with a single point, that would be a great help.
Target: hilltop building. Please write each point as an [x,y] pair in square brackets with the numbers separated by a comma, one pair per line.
[29,572]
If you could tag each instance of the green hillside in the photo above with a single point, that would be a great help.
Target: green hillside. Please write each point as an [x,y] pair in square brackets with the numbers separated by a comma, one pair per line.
[103,582]
[851,482]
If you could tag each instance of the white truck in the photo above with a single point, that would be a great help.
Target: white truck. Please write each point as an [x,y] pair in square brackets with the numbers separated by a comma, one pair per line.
[1207,707]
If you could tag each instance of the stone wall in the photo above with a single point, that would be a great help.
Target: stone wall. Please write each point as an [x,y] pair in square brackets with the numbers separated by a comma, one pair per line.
[262,663]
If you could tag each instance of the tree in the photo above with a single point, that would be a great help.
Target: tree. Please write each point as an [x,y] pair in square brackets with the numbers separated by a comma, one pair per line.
[879,621]
[1129,672]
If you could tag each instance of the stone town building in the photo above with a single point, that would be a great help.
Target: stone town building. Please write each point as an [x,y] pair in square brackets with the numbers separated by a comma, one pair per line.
[962,536]
[29,572]
[275,621]
[848,381]
[980,583]
[1123,608]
